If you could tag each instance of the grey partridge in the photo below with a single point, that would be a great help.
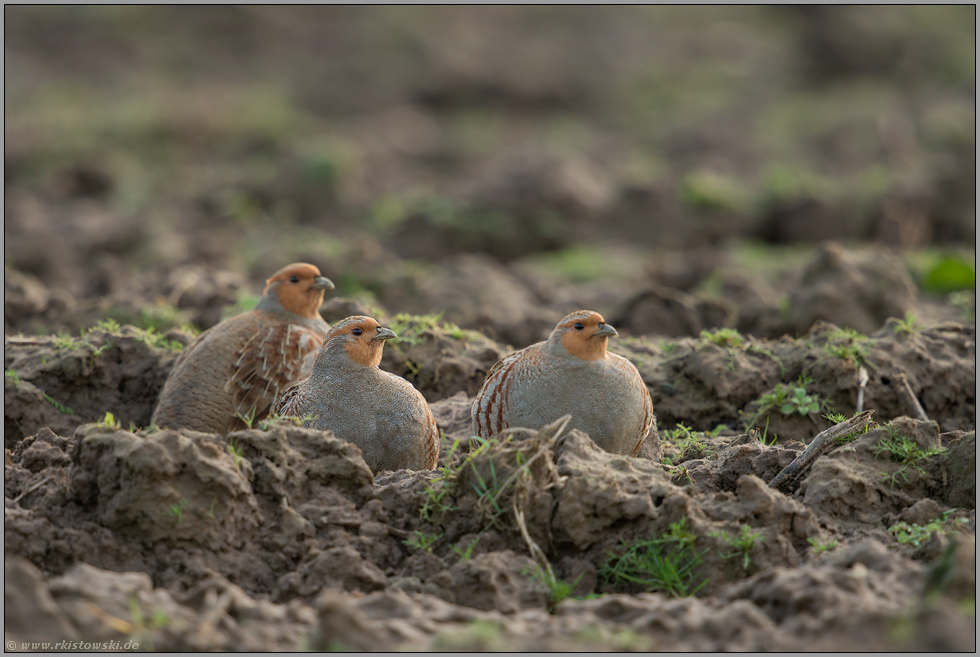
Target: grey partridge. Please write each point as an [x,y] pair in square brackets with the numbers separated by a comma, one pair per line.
[570,372]
[348,394]
[232,373]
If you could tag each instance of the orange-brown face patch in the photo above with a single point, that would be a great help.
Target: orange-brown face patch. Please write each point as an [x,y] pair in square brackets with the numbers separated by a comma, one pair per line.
[582,342]
[359,344]
[294,291]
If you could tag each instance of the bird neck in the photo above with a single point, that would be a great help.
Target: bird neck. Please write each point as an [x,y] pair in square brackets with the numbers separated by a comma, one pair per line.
[366,354]
[276,299]
[587,349]
[269,302]
[338,354]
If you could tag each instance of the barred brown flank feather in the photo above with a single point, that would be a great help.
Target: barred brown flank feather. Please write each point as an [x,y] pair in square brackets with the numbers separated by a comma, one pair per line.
[569,373]
[256,383]
[433,439]
[286,400]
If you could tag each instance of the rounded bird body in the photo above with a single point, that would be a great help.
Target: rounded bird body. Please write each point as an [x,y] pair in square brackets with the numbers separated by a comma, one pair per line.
[570,372]
[232,373]
[348,393]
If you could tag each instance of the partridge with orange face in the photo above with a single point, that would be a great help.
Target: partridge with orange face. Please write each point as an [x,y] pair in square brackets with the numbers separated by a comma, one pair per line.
[236,369]
[348,394]
[570,372]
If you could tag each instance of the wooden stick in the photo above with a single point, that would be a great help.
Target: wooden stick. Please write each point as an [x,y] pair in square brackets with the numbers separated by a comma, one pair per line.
[33,488]
[862,383]
[905,391]
[823,442]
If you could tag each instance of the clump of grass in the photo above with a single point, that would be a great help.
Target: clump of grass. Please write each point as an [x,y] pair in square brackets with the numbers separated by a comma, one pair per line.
[109,421]
[177,510]
[464,554]
[847,344]
[411,328]
[819,547]
[107,325]
[904,450]
[763,437]
[441,489]
[684,439]
[837,418]
[906,326]
[731,340]
[557,589]
[422,540]
[489,488]
[249,419]
[61,408]
[916,535]
[724,337]
[64,340]
[237,453]
[12,376]
[743,544]
[151,338]
[788,400]
[298,420]
[665,564]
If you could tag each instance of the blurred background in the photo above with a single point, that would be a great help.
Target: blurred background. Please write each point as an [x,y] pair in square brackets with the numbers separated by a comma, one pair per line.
[675,168]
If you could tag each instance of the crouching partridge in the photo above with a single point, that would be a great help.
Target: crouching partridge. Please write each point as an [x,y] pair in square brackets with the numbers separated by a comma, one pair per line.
[236,369]
[570,372]
[348,394]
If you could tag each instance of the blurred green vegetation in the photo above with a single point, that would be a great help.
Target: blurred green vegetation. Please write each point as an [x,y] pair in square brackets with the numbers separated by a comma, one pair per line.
[260,135]
[950,275]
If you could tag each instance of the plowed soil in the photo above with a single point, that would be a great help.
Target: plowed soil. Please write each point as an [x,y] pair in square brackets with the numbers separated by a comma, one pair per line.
[469,185]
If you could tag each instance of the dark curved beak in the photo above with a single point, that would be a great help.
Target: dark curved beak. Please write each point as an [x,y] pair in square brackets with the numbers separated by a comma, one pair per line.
[384,334]
[321,283]
[605,331]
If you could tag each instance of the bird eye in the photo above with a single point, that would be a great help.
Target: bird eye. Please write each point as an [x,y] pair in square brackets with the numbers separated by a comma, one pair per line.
[357,331]
[579,326]
[294,279]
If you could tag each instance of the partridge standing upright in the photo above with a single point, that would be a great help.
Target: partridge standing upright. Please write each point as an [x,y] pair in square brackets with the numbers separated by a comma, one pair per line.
[236,369]
[570,372]
[378,411]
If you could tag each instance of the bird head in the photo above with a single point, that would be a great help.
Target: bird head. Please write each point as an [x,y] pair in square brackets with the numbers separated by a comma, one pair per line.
[299,288]
[361,338]
[584,334]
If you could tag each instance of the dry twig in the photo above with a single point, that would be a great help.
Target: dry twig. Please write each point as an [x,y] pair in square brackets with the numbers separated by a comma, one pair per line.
[862,384]
[33,488]
[904,390]
[823,442]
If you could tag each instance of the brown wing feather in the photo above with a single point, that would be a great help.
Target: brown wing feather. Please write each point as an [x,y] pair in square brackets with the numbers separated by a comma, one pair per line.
[269,362]
[488,407]
[433,453]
